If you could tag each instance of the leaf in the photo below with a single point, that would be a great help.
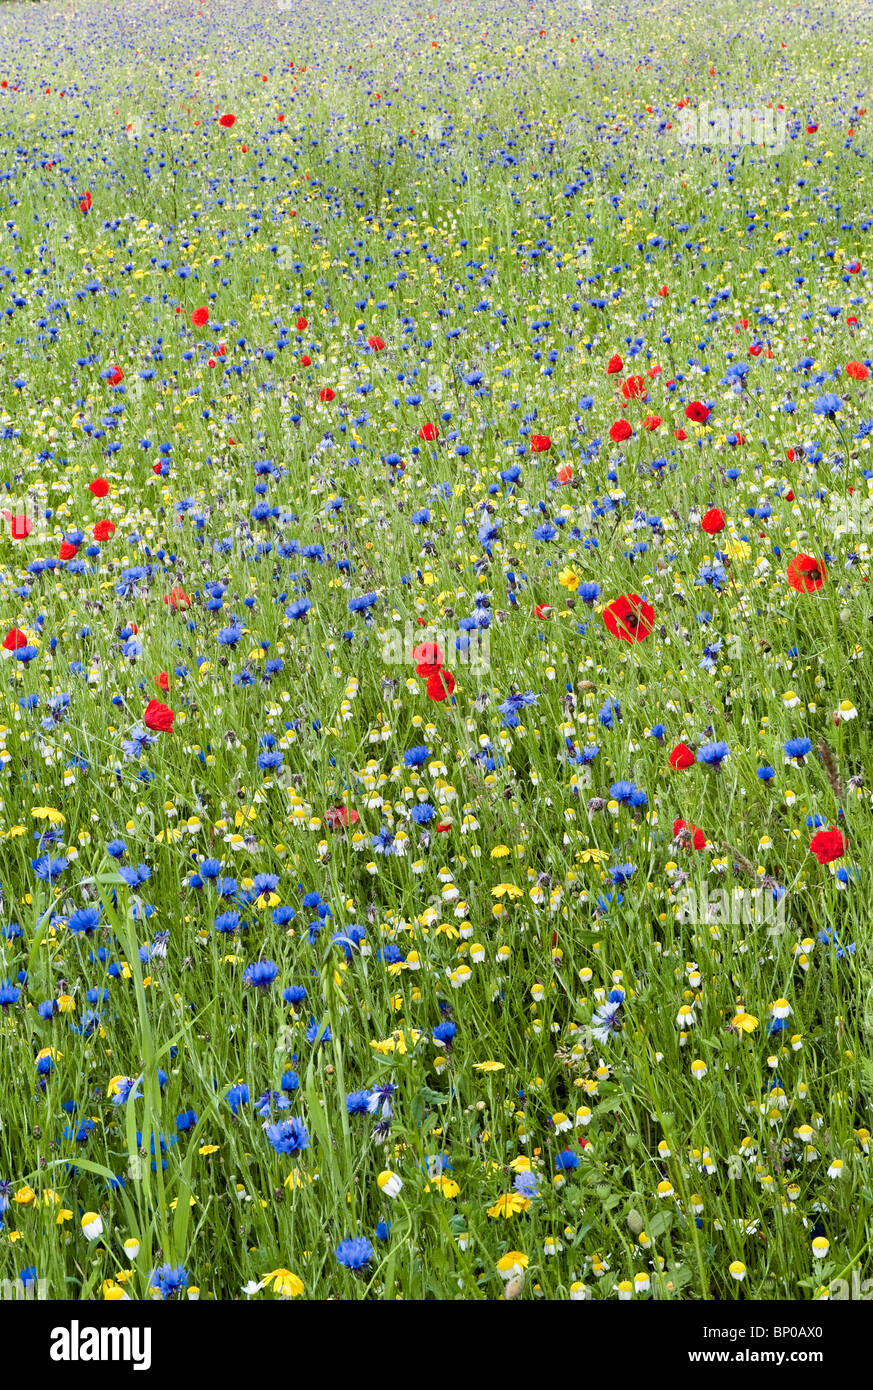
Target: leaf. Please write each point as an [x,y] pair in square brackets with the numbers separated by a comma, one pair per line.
[660,1223]
[434,1097]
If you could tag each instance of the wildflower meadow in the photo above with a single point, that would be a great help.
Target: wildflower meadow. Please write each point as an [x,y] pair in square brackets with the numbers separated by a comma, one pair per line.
[435,762]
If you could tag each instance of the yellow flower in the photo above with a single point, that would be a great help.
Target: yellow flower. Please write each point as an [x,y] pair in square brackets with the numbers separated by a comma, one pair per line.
[208,1149]
[510,1204]
[746,1023]
[284,1282]
[507,890]
[489,1066]
[24,1196]
[569,579]
[447,1186]
[513,1263]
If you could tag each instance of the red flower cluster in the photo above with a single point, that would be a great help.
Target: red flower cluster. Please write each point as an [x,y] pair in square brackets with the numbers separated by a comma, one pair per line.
[828,845]
[681,758]
[429,664]
[159,718]
[712,521]
[806,574]
[629,618]
[698,839]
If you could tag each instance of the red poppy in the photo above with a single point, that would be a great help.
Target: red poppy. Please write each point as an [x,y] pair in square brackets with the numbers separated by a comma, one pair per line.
[680,435]
[115,377]
[302,324]
[698,839]
[158,717]
[681,757]
[629,618]
[652,422]
[634,389]
[565,473]
[341,815]
[540,443]
[20,525]
[428,658]
[440,685]
[828,845]
[67,551]
[429,432]
[663,291]
[163,682]
[200,317]
[227,120]
[697,412]
[326,393]
[614,364]
[806,574]
[177,598]
[14,640]
[712,521]
[542,610]
[857,371]
[620,431]
[376,343]
[103,530]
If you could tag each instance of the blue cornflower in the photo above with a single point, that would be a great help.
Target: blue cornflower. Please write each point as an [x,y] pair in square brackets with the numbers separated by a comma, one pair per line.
[358,1102]
[168,1280]
[796,748]
[444,1034]
[314,1028]
[713,754]
[237,1096]
[261,973]
[416,756]
[84,920]
[354,1253]
[48,869]
[9,994]
[527,1184]
[288,1137]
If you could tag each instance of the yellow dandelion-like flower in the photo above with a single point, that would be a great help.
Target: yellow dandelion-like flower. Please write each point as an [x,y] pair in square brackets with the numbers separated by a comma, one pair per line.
[284,1282]
[510,1204]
